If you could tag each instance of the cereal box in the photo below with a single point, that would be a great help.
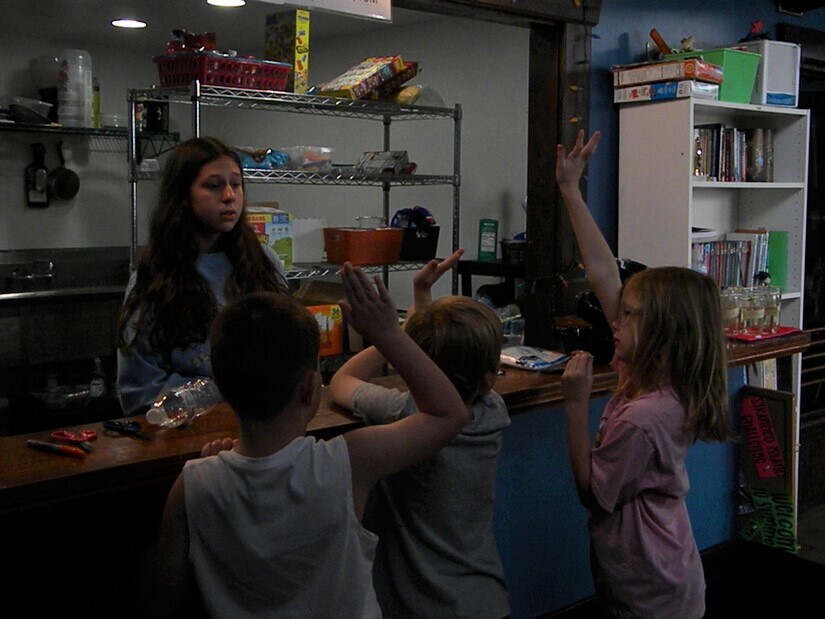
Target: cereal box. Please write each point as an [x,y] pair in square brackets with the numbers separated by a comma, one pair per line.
[687,69]
[287,40]
[358,81]
[331,325]
[273,228]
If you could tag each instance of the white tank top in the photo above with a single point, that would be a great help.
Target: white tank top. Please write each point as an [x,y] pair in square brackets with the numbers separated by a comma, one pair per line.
[278,536]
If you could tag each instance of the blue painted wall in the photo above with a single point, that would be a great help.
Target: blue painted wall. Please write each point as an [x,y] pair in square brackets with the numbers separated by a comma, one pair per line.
[541,526]
[620,37]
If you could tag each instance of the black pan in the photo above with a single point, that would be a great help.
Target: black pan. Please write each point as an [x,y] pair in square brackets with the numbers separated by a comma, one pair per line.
[63,182]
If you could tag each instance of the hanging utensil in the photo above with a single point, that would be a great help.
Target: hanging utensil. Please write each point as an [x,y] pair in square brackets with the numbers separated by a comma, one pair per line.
[63,182]
[36,178]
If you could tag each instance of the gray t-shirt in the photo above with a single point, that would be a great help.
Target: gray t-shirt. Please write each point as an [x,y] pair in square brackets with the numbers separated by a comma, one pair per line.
[437,555]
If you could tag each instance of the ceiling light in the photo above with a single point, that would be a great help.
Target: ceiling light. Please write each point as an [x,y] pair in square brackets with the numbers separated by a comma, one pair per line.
[128,23]
[226,3]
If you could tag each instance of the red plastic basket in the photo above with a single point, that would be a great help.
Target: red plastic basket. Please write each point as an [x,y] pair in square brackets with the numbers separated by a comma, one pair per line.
[216,70]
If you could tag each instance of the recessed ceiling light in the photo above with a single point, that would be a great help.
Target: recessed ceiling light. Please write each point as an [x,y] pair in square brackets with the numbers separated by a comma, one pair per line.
[128,23]
[227,3]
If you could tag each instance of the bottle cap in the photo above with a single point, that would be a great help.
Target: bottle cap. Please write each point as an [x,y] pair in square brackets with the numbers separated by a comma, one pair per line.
[156,416]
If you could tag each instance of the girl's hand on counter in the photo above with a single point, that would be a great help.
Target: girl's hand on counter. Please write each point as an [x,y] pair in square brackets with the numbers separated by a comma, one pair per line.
[217,446]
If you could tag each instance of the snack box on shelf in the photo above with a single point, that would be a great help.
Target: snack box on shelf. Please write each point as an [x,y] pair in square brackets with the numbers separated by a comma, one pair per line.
[660,71]
[666,90]
[358,81]
[273,227]
[287,40]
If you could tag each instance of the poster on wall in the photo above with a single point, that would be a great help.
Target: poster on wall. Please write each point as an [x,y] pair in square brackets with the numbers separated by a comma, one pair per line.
[767,486]
[368,9]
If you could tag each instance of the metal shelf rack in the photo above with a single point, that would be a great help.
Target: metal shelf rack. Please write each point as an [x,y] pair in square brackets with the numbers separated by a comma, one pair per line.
[198,95]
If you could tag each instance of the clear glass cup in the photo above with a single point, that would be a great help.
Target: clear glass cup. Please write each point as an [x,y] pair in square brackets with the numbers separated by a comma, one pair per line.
[731,300]
[753,310]
[773,305]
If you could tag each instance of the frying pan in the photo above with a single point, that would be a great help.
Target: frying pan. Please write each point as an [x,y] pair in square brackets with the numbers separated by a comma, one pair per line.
[63,183]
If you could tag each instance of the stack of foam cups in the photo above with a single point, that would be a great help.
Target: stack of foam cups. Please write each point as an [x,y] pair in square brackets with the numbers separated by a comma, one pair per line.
[74,91]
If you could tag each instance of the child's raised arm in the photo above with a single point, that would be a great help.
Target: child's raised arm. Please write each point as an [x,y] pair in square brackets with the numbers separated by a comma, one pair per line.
[599,262]
[428,275]
[379,451]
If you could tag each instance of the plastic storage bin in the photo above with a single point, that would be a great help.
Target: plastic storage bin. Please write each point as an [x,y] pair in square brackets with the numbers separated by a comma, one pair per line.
[739,67]
[363,247]
[777,80]
[216,70]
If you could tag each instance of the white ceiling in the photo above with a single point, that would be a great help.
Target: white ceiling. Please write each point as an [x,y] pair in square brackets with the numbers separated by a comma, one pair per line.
[241,29]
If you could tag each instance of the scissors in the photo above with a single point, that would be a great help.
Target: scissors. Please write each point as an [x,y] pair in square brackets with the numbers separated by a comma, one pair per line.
[132,428]
[81,438]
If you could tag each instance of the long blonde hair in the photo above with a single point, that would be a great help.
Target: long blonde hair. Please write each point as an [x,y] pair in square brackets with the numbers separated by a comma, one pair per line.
[680,344]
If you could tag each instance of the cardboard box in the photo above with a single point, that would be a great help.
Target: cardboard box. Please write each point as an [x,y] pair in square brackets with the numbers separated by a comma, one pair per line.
[383,162]
[287,40]
[648,72]
[331,325]
[666,90]
[273,228]
[358,81]
[386,89]
[777,78]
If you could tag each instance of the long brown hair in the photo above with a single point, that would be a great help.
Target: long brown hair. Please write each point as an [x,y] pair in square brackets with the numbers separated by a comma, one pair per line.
[169,297]
[680,344]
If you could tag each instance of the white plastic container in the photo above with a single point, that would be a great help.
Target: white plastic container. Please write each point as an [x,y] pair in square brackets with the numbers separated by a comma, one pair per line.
[74,88]
[777,79]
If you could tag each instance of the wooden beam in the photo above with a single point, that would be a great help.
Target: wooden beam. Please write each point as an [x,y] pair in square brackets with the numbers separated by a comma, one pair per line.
[513,12]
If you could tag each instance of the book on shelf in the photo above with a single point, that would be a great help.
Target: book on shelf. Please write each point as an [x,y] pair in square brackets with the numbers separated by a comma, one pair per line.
[731,154]
[658,91]
[357,81]
[757,262]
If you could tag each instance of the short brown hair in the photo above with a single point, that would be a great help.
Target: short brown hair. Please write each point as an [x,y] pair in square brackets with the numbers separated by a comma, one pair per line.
[462,336]
[262,343]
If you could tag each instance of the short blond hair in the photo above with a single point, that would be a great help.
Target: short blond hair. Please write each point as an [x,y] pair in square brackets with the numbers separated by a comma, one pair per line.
[462,336]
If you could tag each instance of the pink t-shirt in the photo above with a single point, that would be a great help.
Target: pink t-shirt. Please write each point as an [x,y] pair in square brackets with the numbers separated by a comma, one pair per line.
[645,559]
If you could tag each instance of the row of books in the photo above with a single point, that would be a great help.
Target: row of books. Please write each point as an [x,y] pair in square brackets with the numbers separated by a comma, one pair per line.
[735,259]
[731,154]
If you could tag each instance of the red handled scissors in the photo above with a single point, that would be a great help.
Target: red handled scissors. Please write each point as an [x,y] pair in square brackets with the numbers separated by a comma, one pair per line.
[81,438]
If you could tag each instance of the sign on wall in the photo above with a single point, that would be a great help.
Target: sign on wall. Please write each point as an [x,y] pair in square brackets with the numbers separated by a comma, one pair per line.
[369,9]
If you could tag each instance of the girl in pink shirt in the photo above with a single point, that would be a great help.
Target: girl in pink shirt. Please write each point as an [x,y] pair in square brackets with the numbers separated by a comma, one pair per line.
[670,356]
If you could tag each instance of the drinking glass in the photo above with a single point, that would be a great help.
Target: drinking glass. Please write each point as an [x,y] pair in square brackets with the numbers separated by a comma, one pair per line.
[773,304]
[731,299]
[753,311]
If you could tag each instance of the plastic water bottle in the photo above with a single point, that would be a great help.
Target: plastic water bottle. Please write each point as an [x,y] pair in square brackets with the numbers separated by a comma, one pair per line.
[185,403]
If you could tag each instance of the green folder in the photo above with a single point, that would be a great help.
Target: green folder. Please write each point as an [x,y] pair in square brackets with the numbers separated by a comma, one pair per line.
[778,258]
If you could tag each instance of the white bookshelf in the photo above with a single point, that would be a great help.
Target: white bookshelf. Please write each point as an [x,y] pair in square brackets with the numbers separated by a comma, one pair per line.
[660,200]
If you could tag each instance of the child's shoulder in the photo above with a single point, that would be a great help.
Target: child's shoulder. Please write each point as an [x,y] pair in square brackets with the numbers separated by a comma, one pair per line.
[649,409]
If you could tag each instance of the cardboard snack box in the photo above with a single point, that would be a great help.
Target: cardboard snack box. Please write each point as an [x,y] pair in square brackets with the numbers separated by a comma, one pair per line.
[358,81]
[686,69]
[287,40]
[273,228]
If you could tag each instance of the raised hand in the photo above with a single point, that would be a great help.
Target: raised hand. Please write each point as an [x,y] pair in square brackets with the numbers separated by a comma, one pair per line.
[428,275]
[368,306]
[569,167]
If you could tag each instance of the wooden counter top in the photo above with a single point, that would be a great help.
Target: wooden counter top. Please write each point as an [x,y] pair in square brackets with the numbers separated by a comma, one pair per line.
[32,479]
